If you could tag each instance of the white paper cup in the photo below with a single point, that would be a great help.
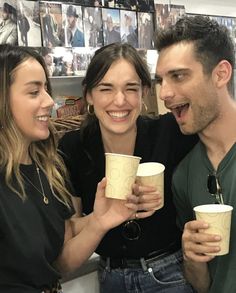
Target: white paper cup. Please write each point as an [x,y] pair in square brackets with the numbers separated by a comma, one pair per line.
[120,173]
[152,174]
[218,216]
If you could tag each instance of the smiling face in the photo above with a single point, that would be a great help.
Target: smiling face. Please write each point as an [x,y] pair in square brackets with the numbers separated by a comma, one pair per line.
[30,103]
[186,90]
[117,99]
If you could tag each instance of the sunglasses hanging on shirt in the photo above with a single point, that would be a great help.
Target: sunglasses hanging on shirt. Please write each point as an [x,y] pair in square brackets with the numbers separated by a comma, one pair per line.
[214,188]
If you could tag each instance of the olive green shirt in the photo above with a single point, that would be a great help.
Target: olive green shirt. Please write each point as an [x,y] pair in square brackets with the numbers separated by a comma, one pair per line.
[190,190]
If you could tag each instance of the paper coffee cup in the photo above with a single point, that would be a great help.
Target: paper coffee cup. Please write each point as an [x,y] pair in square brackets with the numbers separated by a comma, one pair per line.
[121,172]
[152,174]
[218,216]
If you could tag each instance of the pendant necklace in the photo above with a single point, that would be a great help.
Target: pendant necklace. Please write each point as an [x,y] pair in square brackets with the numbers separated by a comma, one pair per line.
[45,198]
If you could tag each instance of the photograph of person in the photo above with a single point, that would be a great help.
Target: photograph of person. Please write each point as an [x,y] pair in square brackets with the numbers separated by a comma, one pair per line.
[73,26]
[126,4]
[81,59]
[128,27]
[168,14]
[47,55]
[93,33]
[145,5]
[29,28]
[145,30]
[111,25]
[109,3]
[51,24]
[8,26]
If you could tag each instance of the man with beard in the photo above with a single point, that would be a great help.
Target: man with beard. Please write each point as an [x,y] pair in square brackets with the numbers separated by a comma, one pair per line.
[195,73]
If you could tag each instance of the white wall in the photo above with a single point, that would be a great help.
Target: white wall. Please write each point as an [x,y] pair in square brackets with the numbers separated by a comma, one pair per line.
[210,7]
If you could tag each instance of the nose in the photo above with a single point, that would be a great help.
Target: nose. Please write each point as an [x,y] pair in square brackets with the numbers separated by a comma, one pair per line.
[166,91]
[119,98]
[48,101]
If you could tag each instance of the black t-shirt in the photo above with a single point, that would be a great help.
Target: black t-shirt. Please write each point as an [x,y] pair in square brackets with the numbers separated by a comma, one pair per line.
[31,236]
[158,140]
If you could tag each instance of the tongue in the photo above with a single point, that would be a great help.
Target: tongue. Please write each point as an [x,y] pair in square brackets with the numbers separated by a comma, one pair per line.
[181,111]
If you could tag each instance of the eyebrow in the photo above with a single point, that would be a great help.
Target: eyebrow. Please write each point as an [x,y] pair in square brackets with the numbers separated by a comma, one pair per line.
[133,83]
[35,82]
[172,72]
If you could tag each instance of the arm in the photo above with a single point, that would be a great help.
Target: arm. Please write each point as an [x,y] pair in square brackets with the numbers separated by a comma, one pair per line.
[195,258]
[82,236]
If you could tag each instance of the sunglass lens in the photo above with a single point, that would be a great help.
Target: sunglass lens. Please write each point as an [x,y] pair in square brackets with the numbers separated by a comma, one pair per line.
[212,184]
[131,230]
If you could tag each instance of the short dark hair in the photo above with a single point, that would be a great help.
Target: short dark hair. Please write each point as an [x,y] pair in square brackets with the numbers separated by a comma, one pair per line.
[212,41]
[7,8]
[71,11]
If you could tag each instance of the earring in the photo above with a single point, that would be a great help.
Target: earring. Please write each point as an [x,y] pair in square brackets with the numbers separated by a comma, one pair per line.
[90,109]
[145,106]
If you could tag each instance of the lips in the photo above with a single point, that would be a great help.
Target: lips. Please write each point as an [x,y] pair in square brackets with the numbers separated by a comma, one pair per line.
[179,110]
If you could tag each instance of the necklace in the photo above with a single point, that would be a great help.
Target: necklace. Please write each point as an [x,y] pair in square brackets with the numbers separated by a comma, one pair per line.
[45,198]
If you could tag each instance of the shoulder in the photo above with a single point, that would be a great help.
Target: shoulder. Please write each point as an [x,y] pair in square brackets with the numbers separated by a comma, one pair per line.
[70,142]
[189,162]
[165,124]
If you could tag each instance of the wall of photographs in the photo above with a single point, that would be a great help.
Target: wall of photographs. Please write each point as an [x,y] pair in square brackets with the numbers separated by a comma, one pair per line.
[68,32]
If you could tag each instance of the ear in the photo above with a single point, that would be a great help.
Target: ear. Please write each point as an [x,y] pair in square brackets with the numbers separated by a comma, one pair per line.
[145,91]
[89,98]
[222,73]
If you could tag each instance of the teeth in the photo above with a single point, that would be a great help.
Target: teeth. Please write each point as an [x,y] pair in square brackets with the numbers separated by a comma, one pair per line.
[42,118]
[118,114]
[178,106]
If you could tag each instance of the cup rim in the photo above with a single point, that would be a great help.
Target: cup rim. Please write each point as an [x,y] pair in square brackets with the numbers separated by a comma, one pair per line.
[149,172]
[213,208]
[122,155]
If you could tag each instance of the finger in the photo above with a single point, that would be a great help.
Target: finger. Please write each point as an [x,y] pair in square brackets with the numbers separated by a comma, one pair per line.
[147,189]
[197,257]
[132,199]
[149,206]
[132,207]
[196,225]
[144,214]
[149,197]
[135,189]
[101,188]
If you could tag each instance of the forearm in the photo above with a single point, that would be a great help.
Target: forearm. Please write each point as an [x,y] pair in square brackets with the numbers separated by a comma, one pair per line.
[80,247]
[198,275]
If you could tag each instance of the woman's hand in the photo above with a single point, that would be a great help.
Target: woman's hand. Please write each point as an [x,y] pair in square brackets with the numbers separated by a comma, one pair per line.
[111,212]
[149,199]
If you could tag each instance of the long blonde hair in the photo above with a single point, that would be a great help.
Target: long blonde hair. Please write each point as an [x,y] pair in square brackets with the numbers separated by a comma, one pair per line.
[43,153]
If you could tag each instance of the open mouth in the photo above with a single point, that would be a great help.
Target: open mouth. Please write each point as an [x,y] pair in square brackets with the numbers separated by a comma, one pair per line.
[180,110]
[118,114]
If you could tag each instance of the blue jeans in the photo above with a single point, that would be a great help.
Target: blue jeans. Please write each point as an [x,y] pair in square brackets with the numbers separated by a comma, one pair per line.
[163,275]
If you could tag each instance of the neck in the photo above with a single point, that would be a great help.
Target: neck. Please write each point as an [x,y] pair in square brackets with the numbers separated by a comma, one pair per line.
[220,135]
[120,143]
[25,158]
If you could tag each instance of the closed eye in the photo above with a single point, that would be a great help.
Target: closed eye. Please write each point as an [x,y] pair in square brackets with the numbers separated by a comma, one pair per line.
[34,93]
